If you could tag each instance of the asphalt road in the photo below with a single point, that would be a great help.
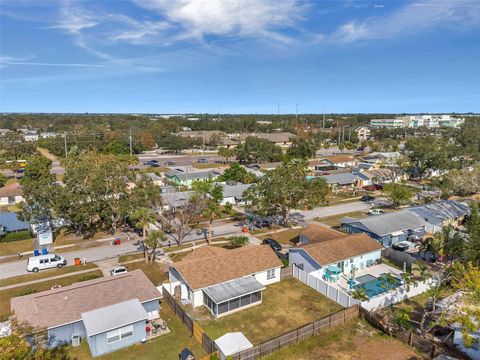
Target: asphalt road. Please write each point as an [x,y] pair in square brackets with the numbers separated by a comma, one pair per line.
[220,228]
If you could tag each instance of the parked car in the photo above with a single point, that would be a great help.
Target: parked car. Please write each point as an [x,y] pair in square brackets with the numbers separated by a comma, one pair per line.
[375,212]
[169,163]
[118,270]
[42,262]
[261,223]
[273,244]
[401,246]
[152,163]
[367,198]
[202,161]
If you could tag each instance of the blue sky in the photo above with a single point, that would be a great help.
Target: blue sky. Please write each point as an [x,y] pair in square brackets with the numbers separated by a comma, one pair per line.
[239,56]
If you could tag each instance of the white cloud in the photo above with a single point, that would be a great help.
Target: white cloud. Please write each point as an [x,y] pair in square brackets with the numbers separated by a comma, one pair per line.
[251,18]
[411,19]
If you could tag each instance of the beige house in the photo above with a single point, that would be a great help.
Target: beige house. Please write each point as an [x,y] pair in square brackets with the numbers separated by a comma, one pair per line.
[11,194]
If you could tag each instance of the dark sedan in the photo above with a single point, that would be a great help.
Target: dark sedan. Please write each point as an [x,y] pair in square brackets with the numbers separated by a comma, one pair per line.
[273,244]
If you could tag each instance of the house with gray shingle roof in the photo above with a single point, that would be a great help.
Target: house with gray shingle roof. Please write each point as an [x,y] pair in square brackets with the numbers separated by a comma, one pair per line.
[110,313]
[388,228]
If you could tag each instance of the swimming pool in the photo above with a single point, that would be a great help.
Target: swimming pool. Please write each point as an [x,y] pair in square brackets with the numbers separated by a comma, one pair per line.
[373,285]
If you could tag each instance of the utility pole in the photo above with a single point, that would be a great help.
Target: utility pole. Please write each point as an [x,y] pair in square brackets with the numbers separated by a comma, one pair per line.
[130,138]
[278,108]
[296,112]
[323,125]
[65,143]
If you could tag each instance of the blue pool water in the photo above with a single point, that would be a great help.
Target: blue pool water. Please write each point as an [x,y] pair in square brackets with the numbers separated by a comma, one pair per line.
[373,285]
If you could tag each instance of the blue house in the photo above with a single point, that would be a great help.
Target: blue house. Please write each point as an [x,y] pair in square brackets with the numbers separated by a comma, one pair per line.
[109,313]
[9,222]
[388,228]
[442,213]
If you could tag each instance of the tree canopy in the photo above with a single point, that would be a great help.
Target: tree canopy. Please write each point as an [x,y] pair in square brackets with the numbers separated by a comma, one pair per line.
[255,150]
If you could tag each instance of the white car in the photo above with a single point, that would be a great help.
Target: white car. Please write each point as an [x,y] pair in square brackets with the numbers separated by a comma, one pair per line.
[118,270]
[49,261]
[375,212]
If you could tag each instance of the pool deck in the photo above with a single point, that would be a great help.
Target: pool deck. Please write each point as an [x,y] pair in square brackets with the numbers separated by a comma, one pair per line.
[376,270]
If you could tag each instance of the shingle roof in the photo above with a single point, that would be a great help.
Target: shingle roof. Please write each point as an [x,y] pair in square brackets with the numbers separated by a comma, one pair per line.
[11,190]
[234,190]
[226,266]
[388,223]
[204,252]
[342,248]
[339,158]
[317,233]
[10,222]
[341,179]
[192,175]
[52,308]
[113,316]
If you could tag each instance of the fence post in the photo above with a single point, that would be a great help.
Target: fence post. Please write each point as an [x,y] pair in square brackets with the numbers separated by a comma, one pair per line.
[434,351]
[410,339]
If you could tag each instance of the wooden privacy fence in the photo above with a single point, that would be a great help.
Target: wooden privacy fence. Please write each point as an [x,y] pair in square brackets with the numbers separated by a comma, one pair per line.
[193,327]
[424,345]
[286,272]
[299,334]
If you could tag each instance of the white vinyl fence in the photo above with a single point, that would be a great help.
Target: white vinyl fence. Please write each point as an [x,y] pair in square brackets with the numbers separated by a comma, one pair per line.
[376,303]
[323,288]
[396,296]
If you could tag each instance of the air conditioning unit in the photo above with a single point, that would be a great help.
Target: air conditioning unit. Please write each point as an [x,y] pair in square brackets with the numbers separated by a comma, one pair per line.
[76,340]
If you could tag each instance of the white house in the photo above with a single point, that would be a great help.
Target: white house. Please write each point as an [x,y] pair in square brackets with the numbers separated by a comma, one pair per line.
[233,194]
[344,254]
[11,194]
[225,281]
[363,133]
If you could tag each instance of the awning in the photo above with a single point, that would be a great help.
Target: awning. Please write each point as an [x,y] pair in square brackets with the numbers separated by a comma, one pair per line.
[233,289]
[334,269]
[113,317]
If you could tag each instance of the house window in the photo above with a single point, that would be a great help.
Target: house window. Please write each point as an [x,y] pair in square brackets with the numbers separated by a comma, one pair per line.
[119,334]
[270,274]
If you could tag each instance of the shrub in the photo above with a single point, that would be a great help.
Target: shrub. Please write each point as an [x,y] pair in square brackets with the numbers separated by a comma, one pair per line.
[238,241]
[27,291]
[89,277]
[16,236]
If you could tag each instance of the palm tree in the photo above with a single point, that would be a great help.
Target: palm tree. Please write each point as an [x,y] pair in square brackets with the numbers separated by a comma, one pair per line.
[388,282]
[143,217]
[154,238]
[360,294]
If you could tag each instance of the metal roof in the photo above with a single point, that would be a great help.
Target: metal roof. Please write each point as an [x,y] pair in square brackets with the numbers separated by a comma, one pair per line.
[10,222]
[197,175]
[388,223]
[233,289]
[232,343]
[441,210]
[113,317]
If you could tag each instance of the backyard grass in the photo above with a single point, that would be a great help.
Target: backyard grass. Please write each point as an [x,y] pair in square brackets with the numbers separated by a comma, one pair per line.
[6,295]
[166,347]
[287,237]
[286,306]
[154,272]
[129,257]
[351,341]
[45,274]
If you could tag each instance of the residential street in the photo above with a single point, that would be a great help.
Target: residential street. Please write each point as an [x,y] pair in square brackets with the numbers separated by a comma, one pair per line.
[220,228]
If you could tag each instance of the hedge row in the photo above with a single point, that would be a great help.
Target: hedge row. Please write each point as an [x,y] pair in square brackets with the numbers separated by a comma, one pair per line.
[16,236]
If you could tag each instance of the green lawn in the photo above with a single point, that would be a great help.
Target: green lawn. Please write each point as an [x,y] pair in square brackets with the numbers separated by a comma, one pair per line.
[286,306]
[351,341]
[288,237]
[165,347]
[45,274]
[6,295]
[12,247]
[154,272]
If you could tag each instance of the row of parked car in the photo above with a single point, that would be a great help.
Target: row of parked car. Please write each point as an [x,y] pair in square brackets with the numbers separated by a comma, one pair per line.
[155,163]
